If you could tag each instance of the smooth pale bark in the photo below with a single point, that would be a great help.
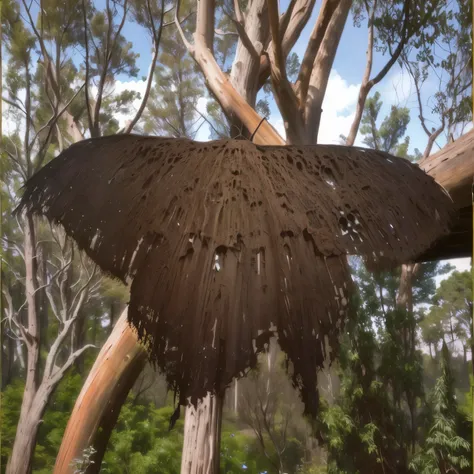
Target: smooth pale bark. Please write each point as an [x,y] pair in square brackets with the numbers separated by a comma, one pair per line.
[232,102]
[20,461]
[246,65]
[322,68]
[283,90]
[30,413]
[115,370]
[317,34]
[292,23]
[202,428]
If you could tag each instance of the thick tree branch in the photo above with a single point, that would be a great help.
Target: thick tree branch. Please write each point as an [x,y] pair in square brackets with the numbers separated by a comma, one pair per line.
[322,68]
[177,22]
[244,37]
[317,34]
[219,84]
[205,24]
[284,95]
[292,23]
[57,376]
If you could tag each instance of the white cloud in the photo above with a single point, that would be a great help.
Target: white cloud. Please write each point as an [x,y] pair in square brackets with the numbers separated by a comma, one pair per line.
[338,109]
[277,122]
[460,264]
[118,88]
[398,89]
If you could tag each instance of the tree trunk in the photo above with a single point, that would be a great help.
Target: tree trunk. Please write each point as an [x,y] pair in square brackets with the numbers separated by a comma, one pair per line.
[113,374]
[202,435]
[21,458]
[405,303]
[322,68]
[236,397]
[79,338]
[30,414]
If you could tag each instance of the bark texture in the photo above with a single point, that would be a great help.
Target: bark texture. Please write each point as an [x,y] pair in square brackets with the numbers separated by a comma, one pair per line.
[202,428]
[113,374]
[453,168]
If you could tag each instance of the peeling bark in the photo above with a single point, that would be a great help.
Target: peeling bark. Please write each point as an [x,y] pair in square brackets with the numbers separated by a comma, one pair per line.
[202,427]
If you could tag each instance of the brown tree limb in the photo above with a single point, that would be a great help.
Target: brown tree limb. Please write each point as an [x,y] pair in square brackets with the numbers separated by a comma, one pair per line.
[322,68]
[453,168]
[292,23]
[284,94]
[219,84]
[317,34]
[121,359]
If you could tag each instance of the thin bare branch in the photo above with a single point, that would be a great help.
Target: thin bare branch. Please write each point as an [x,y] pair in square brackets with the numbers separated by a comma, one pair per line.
[364,88]
[151,72]
[177,22]
[59,374]
[238,13]
[51,123]
[242,34]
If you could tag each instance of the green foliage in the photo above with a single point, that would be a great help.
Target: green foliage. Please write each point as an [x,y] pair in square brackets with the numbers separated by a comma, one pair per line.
[172,106]
[52,427]
[365,430]
[239,450]
[11,399]
[142,444]
[377,419]
[392,129]
[444,450]
[450,316]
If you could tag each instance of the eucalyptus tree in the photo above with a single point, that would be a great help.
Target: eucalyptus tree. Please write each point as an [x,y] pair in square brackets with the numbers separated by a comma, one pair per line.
[235,71]
[49,286]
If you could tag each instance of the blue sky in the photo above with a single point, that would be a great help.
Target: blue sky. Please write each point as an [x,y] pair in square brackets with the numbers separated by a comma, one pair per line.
[343,87]
[346,76]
